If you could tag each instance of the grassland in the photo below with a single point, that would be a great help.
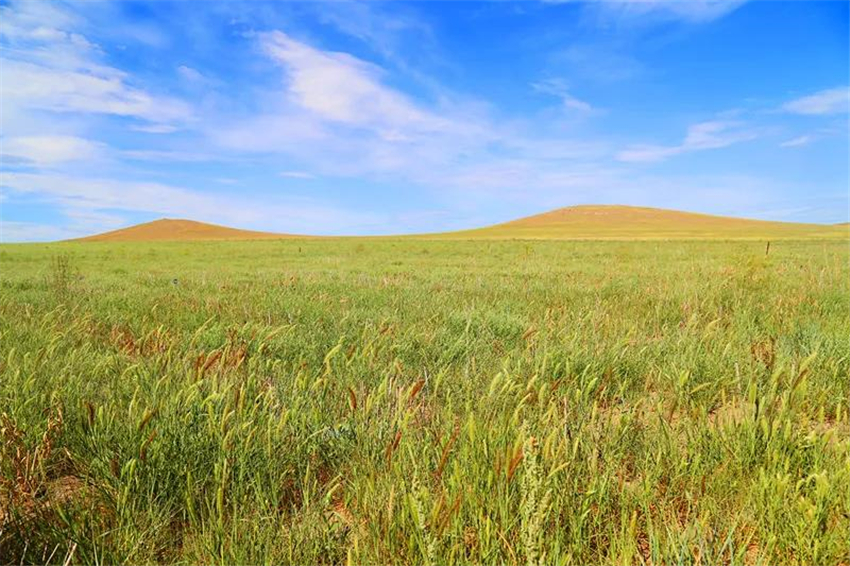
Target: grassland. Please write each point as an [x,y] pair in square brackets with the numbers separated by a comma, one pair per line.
[403,401]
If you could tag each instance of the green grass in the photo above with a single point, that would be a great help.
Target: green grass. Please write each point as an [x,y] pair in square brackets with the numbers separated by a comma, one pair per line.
[383,401]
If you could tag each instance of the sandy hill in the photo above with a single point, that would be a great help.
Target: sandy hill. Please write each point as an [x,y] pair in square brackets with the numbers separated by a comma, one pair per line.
[168,229]
[633,222]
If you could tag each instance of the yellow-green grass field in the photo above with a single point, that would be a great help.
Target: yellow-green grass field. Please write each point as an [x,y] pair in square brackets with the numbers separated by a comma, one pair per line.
[404,401]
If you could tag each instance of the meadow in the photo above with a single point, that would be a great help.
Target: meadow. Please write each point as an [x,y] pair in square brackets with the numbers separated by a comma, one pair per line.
[402,401]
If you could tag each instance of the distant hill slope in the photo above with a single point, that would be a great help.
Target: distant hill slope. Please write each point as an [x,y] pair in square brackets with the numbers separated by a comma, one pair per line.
[168,229]
[633,222]
[590,222]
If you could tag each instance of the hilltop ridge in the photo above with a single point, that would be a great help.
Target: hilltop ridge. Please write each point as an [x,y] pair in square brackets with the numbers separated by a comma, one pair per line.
[639,222]
[175,229]
[581,222]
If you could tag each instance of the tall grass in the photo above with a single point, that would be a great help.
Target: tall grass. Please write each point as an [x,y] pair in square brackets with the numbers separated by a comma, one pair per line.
[425,402]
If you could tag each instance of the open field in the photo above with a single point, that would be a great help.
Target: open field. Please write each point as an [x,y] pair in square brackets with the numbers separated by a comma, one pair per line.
[415,401]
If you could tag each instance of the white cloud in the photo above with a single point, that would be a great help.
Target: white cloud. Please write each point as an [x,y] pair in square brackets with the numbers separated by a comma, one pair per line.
[390,33]
[35,86]
[648,153]
[693,11]
[296,175]
[338,118]
[165,155]
[48,66]
[830,101]
[86,221]
[798,141]
[86,196]
[154,128]
[334,114]
[559,89]
[23,20]
[78,222]
[11,231]
[340,88]
[598,61]
[50,150]
[190,74]
[98,193]
[626,11]
[697,11]
[713,134]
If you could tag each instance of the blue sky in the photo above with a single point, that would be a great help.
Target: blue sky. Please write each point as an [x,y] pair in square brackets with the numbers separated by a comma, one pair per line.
[375,118]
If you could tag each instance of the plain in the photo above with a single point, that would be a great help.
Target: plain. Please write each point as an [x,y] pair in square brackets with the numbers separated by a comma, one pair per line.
[415,401]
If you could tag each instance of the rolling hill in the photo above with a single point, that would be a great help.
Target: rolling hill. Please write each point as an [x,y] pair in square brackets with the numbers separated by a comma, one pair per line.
[586,222]
[634,222]
[168,229]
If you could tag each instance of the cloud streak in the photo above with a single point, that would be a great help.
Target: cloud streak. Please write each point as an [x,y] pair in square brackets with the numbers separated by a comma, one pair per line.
[337,117]
[48,68]
[631,11]
[95,196]
[714,134]
[798,141]
[340,88]
[51,150]
[823,103]
[558,88]
[95,91]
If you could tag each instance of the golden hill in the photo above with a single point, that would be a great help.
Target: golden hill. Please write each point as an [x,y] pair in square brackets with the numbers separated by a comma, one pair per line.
[168,229]
[634,222]
[586,222]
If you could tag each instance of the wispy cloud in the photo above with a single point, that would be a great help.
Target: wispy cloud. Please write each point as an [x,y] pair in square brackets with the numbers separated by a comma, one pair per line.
[51,150]
[190,74]
[398,37]
[829,101]
[296,175]
[167,155]
[339,118]
[154,128]
[798,141]
[341,88]
[78,196]
[336,114]
[12,231]
[49,67]
[599,62]
[96,91]
[695,11]
[34,19]
[713,134]
[558,88]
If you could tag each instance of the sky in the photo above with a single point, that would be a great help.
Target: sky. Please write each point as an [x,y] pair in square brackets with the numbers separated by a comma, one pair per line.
[362,118]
